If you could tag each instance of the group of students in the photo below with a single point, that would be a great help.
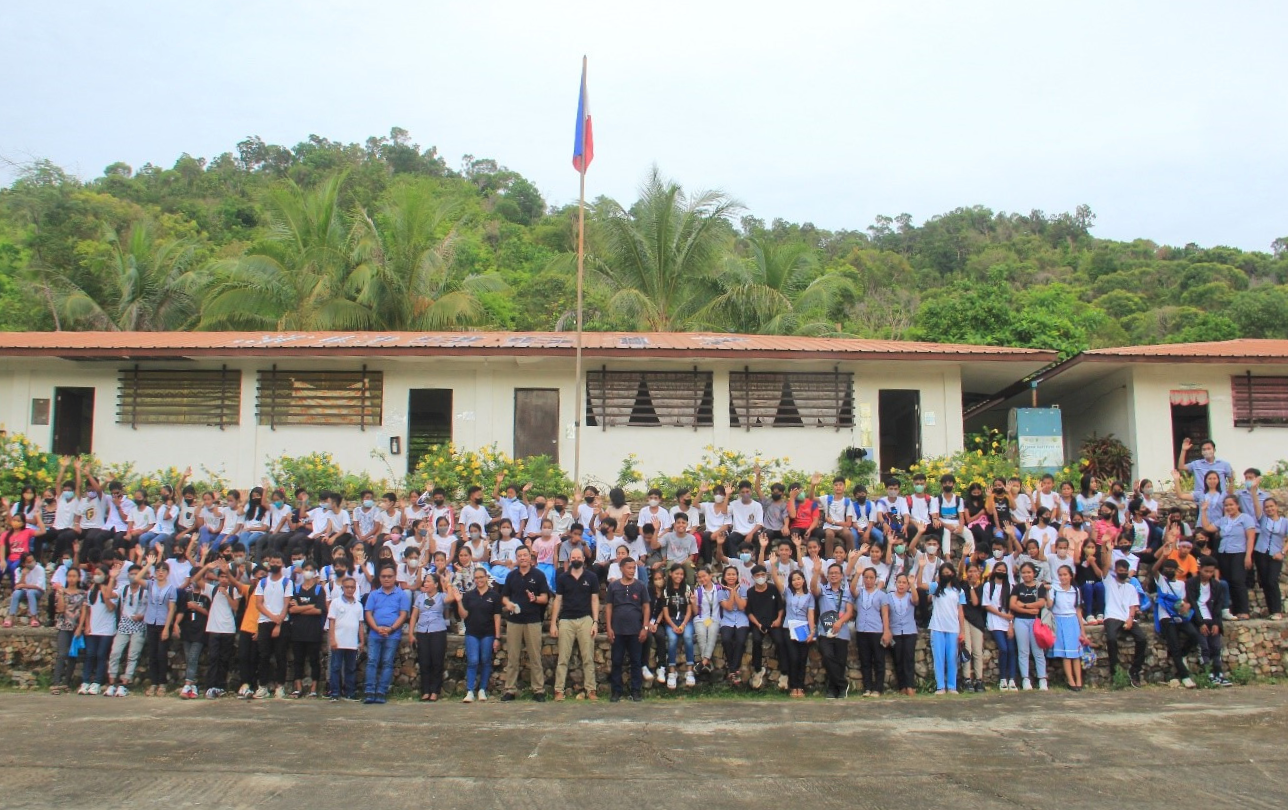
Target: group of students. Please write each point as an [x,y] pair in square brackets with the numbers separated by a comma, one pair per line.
[271,583]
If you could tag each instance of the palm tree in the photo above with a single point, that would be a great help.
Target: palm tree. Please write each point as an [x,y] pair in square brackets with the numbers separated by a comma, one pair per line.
[299,278]
[656,261]
[403,266]
[774,291]
[142,285]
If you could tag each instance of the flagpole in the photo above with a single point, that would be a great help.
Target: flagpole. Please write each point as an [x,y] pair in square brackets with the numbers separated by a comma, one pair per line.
[579,405]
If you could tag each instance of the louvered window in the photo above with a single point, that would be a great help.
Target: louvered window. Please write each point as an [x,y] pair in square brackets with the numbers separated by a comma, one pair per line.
[159,396]
[1259,400]
[321,397]
[649,399]
[791,399]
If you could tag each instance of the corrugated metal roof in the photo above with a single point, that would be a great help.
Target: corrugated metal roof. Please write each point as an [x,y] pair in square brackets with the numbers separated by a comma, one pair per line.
[594,344]
[1244,349]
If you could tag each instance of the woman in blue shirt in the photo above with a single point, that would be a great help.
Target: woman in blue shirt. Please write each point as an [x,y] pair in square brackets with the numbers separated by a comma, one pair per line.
[429,618]
[734,626]
[1269,553]
[1238,534]
[903,631]
[799,612]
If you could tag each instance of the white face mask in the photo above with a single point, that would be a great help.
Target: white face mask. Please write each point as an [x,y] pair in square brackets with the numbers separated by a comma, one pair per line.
[932,550]
[413,564]
[718,499]
[761,580]
[654,502]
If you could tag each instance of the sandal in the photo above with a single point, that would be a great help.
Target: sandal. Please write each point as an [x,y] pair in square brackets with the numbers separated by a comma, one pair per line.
[424,698]
[433,698]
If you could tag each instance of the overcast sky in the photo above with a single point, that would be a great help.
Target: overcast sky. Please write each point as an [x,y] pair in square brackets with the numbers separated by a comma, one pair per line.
[1167,118]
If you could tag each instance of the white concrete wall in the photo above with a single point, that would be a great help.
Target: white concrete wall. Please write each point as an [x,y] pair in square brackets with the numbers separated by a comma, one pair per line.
[1101,408]
[483,405]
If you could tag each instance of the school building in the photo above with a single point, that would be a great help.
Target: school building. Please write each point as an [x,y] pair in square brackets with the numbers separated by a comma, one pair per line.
[231,400]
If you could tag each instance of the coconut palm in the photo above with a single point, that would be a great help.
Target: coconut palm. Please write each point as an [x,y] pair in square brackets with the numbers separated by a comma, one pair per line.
[656,262]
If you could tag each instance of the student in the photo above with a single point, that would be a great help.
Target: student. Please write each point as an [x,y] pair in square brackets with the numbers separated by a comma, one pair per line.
[429,620]
[308,607]
[997,603]
[655,514]
[947,628]
[273,596]
[836,614]
[777,520]
[975,626]
[903,633]
[1057,559]
[1210,599]
[68,604]
[765,615]
[838,518]
[1090,579]
[798,610]
[680,546]
[747,516]
[893,514]
[1209,497]
[734,624]
[98,626]
[192,611]
[130,633]
[1173,620]
[1070,632]
[1088,498]
[28,585]
[872,629]
[715,520]
[574,620]
[1238,533]
[346,636]
[385,612]
[221,629]
[545,547]
[502,560]
[627,617]
[524,597]
[514,503]
[1122,602]
[678,617]
[1028,598]
[158,616]
[946,516]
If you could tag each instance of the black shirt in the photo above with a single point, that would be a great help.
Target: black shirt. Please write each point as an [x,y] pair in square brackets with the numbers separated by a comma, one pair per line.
[304,627]
[976,616]
[677,601]
[576,593]
[1027,595]
[481,607]
[192,624]
[516,588]
[764,605]
[628,606]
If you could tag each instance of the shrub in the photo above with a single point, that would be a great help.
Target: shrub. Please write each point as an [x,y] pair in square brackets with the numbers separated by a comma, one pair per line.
[1106,458]
[969,467]
[455,470]
[317,472]
[728,467]
[854,469]
[22,464]
[989,441]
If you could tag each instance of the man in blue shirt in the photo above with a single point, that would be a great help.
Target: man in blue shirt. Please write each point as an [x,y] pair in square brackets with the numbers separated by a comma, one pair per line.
[1200,467]
[386,613]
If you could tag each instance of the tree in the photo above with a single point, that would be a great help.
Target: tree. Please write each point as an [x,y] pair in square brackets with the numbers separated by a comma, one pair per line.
[655,261]
[1260,313]
[773,291]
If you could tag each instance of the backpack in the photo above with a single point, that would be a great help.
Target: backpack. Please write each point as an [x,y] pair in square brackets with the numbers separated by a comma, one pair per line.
[829,505]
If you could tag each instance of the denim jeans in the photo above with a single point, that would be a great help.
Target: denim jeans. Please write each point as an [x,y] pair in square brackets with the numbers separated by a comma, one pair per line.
[673,640]
[191,657]
[344,673]
[206,538]
[943,647]
[33,602]
[478,656]
[1028,647]
[94,668]
[1005,655]
[1093,598]
[380,661]
[149,539]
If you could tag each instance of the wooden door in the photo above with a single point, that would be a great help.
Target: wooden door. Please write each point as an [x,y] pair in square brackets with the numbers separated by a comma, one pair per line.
[536,422]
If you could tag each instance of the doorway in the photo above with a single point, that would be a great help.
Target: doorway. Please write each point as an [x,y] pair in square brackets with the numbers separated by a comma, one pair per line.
[536,422]
[899,416]
[1190,421]
[429,422]
[73,421]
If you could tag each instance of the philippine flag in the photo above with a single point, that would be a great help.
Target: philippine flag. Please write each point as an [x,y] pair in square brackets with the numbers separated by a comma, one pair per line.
[583,145]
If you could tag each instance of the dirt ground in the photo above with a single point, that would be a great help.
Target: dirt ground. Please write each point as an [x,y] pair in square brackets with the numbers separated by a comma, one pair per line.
[1150,748]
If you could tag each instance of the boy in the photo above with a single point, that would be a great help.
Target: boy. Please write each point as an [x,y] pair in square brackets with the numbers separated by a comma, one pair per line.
[273,601]
[346,636]
[1210,598]
[838,518]
[1122,603]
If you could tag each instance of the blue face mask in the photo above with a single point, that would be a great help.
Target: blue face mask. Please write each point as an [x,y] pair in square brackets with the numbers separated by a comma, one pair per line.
[277,504]
[745,557]
[368,504]
[68,495]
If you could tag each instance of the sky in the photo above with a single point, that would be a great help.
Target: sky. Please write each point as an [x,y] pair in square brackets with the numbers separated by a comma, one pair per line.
[1166,118]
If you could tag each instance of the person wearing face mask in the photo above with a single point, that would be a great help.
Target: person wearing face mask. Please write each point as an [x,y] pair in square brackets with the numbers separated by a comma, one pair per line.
[765,616]
[715,520]
[947,627]
[742,563]
[476,543]
[893,514]
[835,621]
[1122,602]
[474,513]
[141,519]
[273,596]
[130,634]
[587,512]
[574,621]
[1206,462]
[803,513]
[1000,623]
[1028,598]
[431,611]
[221,626]
[1268,554]
[919,504]
[946,516]
[364,518]
[545,548]
[513,502]
[1070,630]
[928,562]
[872,629]
[307,608]
[410,571]
[653,513]
[1173,620]
[1043,532]
[1238,536]
[158,617]
[67,518]
[838,516]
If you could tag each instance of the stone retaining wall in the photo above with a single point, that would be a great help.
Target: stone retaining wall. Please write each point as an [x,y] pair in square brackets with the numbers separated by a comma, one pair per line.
[26,658]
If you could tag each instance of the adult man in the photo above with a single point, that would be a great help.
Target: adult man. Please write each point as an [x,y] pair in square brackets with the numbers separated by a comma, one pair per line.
[627,616]
[574,620]
[273,601]
[1200,467]
[387,610]
[523,598]
[1121,605]
[345,637]
[836,613]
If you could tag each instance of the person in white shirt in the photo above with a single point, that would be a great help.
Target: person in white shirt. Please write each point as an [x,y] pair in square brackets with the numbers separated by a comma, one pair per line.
[653,512]
[410,572]
[1046,496]
[513,504]
[210,522]
[345,637]
[281,532]
[606,546]
[587,512]
[746,516]
[715,520]
[1043,531]
[165,525]
[503,559]
[1121,605]
[838,518]
[364,519]
[273,600]
[142,519]
[1057,559]
[473,512]
[894,514]
[331,528]
[221,631]
[561,517]
[946,520]
[230,516]
[389,517]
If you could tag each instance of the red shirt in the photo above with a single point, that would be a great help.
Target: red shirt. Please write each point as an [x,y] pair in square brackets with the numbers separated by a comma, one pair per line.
[18,543]
[805,512]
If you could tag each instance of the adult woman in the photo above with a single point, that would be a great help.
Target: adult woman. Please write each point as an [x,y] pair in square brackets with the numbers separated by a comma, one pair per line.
[1027,600]
[481,608]
[706,619]
[734,625]
[429,617]
[873,631]
[68,602]
[678,596]
[1238,533]
[946,631]
[1209,498]
[1269,553]
[903,631]
[1070,635]
[997,603]
[975,626]
[98,626]
[798,612]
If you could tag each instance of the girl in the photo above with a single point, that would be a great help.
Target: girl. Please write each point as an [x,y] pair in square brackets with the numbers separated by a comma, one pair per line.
[1238,534]
[799,608]
[444,540]
[903,631]
[947,627]
[363,571]
[477,545]
[1027,600]
[656,638]
[1269,554]
[430,617]
[158,615]
[1067,503]
[1088,500]
[1106,528]
[873,624]
[976,623]
[679,599]
[706,619]
[1090,580]
[68,603]
[1209,499]
[1070,633]
[734,625]
[976,517]
[481,609]
[997,604]
[15,542]
[617,508]
[503,550]
[98,626]
[545,547]
[130,634]
[28,508]
[1075,531]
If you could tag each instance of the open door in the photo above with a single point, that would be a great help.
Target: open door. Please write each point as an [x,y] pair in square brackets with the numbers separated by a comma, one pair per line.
[429,422]
[73,421]
[1190,419]
[536,422]
[899,416]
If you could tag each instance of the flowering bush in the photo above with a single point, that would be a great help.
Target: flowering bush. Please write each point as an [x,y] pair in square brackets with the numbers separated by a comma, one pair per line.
[970,466]
[990,441]
[455,470]
[21,463]
[316,472]
[728,467]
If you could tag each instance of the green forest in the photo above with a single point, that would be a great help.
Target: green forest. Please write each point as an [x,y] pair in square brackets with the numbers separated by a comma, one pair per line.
[385,235]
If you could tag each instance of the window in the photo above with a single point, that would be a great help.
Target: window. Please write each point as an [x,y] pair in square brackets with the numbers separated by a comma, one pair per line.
[1259,400]
[321,397]
[159,396]
[791,399]
[649,399]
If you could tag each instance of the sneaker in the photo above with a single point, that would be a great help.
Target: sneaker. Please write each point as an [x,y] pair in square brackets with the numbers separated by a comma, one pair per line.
[636,697]
[952,691]
[939,692]
[979,687]
[614,698]
[1026,685]
[1228,616]
[369,700]
[94,689]
[260,693]
[782,681]
[1214,679]
[539,697]
[150,691]
[844,692]
[559,696]
[469,697]
[121,691]
[1042,684]
[648,675]
[161,691]
[482,696]
[1014,688]
[689,680]
[279,693]
[1003,686]
[1224,681]
[758,678]
[670,679]
[1135,680]
[1188,683]
[244,691]
[507,697]
[111,691]
[84,688]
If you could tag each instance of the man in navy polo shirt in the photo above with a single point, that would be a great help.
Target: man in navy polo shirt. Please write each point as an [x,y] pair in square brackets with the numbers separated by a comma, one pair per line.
[386,613]
[523,597]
